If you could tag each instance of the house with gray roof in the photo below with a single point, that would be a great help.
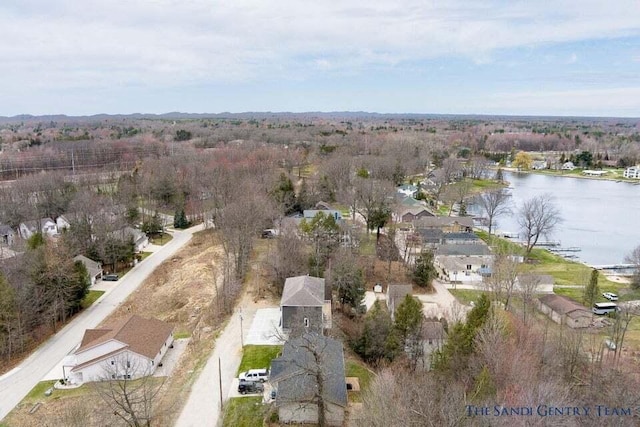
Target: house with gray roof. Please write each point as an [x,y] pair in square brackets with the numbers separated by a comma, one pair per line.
[7,235]
[448,224]
[94,268]
[395,295]
[306,363]
[46,226]
[305,305]
[474,249]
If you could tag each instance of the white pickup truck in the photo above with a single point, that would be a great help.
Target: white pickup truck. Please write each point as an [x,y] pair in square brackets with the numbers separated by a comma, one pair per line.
[261,375]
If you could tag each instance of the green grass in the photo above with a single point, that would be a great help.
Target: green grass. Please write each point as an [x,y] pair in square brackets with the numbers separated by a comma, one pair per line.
[37,393]
[368,244]
[364,375]
[243,411]
[144,255]
[181,334]
[466,296]
[483,185]
[160,239]
[258,356]
[90,298]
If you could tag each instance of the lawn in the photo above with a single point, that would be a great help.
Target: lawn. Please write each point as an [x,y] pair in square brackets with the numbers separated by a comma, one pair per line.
[243,411]
[466,296]
[258,356]
[37,393]
[364,375]
[90,298]
[483,185]
[160,239]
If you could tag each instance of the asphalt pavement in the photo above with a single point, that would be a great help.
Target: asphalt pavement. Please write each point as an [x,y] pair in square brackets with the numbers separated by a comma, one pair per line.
[15,384]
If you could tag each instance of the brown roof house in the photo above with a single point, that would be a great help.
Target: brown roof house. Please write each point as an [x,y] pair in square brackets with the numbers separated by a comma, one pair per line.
[305,305]
[565,311]
[308,362]
[131,348]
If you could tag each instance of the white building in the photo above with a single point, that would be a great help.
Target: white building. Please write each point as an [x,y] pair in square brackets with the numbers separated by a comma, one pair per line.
[632,172]
[46,226]
[568,166]
[131,348]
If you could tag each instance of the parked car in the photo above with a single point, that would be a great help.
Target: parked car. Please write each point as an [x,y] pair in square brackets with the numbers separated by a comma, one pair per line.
[610,344]
[610,296]
[248,387]
[110,277]
[261,375]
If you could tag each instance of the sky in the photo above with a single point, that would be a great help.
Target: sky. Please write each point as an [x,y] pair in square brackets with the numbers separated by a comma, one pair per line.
[82,57]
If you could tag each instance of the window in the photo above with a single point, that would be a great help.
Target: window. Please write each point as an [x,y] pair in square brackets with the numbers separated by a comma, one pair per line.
[113,376]
[468,266]
[152,362]
[128,364]
[113,362]
[306,322]
[430,341]
[128,377]
[467,273]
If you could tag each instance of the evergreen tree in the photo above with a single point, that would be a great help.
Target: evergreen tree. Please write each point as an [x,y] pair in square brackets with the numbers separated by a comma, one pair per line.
[285,194]
[180,219]
[591,291]
[408,318]
[424,272]
[378,340]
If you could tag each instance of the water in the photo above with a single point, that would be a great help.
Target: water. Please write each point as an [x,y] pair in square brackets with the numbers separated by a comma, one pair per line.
[600,217]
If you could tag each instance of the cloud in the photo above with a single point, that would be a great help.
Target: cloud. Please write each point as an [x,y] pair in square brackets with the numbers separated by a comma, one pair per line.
[99,44]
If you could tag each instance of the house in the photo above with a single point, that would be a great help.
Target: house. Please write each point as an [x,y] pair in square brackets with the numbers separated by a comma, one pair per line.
[433,336]
[588,172]
[140,239]
[309,214]
[63,222]
[131,348]
[407,190]
[7,235]
[305,305]
[464,249]
[632,172]
[94,268]
[463,268]
[295,377]
[539,165]
[46,226]
[395,295]
[410,214]
[448,224]
[565,311]
[403,201]
[568,166]
[323,206]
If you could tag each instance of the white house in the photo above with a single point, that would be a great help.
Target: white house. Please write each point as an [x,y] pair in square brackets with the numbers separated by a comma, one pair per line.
[632,172]
[568,166]
[46,226]
[131,348]
[463,268]
[309,214]
[94,268]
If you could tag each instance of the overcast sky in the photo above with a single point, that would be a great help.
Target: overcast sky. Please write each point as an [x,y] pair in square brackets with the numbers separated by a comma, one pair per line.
[426,56]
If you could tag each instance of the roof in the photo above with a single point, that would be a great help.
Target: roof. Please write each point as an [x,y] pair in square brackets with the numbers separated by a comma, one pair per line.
[443,221]
[432,330]
[463,249]
[408,200]
[414,210]
[540,279]
[36,224]
[92,266]
[562,305]
[305,291]
[295,371]
[395,295]
[460,236]
[430,235]
[143,336]
[5,230]
[459,263]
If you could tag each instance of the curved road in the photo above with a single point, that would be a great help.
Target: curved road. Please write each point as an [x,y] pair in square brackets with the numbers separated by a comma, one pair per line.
[15,384]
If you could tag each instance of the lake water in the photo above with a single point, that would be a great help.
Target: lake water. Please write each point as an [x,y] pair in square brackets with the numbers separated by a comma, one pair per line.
[600,217]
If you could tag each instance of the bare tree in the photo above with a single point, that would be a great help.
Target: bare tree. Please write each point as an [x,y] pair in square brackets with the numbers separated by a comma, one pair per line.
[527,286]
[503,278]
[634,258]
[537,217]
[494,204]
[129,390]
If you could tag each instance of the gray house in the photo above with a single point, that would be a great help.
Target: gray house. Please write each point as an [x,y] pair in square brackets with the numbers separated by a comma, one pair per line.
[395,295]
[295,377]
[7,235]
[94,268]
[305,305]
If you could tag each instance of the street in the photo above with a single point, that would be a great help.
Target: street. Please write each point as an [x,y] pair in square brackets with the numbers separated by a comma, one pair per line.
[15,384]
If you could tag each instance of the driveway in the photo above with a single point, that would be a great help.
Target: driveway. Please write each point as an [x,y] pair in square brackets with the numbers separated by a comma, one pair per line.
[442,304]
[15,385]
[265,329]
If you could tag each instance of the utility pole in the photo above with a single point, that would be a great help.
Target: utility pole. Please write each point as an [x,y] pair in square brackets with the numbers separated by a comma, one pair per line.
[220,383]
[241,337]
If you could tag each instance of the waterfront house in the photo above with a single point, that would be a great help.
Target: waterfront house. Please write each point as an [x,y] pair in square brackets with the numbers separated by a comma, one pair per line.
[448,224]
[632,172]
[568,166]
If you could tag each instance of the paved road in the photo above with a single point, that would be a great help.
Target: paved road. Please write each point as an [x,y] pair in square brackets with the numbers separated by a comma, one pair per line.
[15,384]
[203,405]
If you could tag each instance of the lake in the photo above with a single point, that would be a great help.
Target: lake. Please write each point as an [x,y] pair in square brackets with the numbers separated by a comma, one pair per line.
[600,217]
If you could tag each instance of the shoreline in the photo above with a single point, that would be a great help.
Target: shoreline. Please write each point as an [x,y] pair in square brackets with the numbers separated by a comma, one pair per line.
[563,175]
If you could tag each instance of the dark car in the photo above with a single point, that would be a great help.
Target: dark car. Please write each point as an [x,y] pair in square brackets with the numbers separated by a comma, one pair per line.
[247,387]
[110,277]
